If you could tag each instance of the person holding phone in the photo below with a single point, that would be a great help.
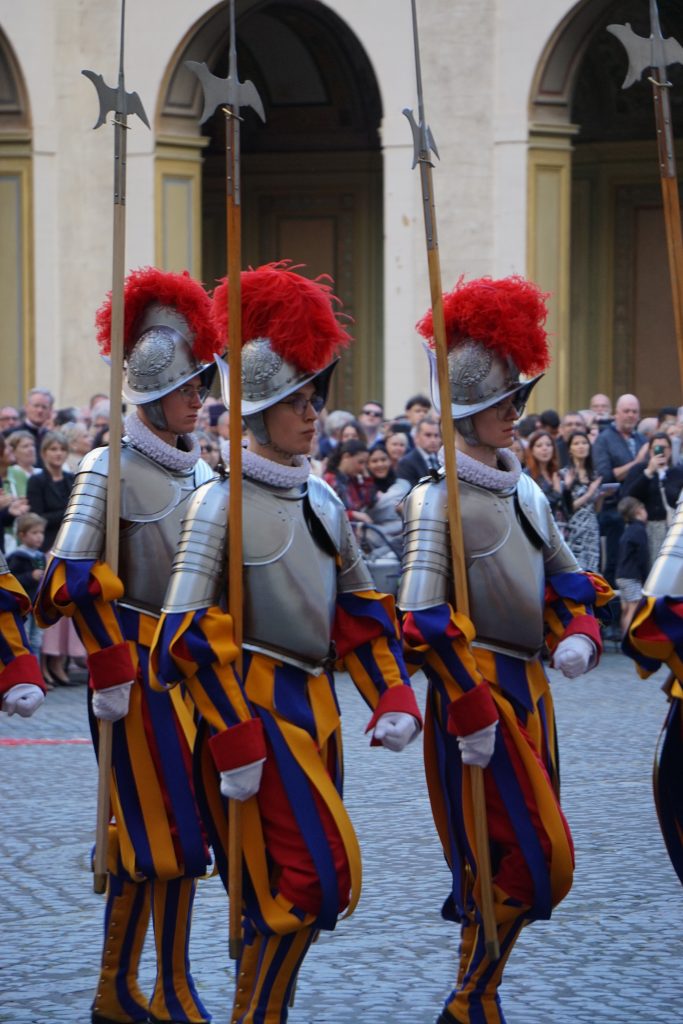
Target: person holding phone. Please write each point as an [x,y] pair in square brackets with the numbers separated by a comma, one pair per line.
[657,483]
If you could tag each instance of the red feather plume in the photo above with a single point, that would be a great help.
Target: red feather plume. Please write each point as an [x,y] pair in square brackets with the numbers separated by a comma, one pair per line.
[296,314]
[506,316]
[182,292]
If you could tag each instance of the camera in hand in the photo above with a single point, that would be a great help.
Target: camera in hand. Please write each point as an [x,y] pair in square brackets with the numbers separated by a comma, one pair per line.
[658,449]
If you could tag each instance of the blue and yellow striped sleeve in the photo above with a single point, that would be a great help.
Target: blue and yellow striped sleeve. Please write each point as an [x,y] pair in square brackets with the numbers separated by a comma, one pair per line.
[87,591]
[367,640]
[198,648]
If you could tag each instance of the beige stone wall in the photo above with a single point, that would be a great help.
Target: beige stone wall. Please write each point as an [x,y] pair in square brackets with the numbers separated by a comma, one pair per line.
[479,58]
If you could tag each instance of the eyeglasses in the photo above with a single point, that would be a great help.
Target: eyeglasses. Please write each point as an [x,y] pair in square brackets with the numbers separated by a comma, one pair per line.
[371,412]
[206,448]
[191,394]
[299,404]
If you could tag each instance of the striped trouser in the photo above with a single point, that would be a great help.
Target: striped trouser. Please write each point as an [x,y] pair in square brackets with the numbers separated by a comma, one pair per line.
[266,975]
[475,1000]
[119,999]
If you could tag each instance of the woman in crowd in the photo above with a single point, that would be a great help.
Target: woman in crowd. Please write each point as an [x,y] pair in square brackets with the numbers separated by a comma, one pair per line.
[48,492]
[347,476]
[381,471]
[396,445]
[542,465]
[657,483]
[48,495]
[582,500]
[22,445]
[352,431]
[208,448]
[10,505]
[79,440]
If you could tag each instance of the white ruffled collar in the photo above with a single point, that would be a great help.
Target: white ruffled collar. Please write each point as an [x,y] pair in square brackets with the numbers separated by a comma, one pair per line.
[478,473]
[147,442]
[268,472]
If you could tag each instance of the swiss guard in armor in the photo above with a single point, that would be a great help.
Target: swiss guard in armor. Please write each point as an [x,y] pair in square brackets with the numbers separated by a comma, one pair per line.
[654,638]
[22,689]
[157,846]
[489,702]
[309,602]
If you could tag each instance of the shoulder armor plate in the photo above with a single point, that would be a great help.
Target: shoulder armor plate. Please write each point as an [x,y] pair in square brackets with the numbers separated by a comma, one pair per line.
[327,508]
[666,575]
[533,505]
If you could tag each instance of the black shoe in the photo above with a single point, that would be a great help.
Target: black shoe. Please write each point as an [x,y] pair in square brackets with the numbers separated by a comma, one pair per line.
[97,1018]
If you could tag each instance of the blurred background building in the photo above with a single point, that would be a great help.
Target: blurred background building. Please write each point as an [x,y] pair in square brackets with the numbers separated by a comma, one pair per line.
[547,169]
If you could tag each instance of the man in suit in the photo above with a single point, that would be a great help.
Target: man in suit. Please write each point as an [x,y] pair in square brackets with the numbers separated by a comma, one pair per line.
[417,463]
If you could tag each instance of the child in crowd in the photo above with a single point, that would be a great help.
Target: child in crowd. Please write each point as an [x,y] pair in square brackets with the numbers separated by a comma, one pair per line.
[633,558]
[27,562]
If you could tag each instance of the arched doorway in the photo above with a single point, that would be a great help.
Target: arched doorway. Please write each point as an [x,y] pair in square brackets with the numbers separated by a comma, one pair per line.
[311,175]
[16,253]
[596,225]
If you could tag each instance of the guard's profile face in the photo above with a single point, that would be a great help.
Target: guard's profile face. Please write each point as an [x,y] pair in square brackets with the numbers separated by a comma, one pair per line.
[291,422]
[182,407]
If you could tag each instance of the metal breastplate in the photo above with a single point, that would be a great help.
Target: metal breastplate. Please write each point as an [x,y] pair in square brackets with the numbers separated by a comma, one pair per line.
[665,578]
[511,544]
[153,502]
[290,583]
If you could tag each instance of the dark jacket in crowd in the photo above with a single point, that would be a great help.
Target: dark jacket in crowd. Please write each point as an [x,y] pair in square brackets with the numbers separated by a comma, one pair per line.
[49,499]
[22,561]
[611,450]
[413,466]
[633,559]
[648,490]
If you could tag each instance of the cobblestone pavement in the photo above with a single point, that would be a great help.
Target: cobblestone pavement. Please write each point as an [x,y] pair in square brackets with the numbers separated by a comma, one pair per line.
[611,954]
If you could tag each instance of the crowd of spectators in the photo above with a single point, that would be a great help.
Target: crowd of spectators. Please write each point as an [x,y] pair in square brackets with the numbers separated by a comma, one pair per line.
[587,462]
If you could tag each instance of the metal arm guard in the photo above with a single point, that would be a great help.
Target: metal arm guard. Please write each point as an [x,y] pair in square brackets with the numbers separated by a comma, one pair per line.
[511,545]
[81,535]
[666,575]
[199,567]
[153,500]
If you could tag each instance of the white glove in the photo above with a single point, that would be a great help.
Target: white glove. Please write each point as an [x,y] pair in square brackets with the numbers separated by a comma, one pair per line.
[395,730]
[24,699]
[477,747]
[111,704]
[574,655]
[241,783]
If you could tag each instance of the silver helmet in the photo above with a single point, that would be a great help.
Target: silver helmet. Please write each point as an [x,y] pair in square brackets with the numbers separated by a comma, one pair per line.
[267,378]
[478,378]
[162,358]
[291,336]
[169,336]
[495,333]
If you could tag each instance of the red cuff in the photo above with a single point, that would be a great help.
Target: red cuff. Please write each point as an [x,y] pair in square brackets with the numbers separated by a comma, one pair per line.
[239,745]
[22,669]
[586,625]
[111,666]
[473,711]
[396,698]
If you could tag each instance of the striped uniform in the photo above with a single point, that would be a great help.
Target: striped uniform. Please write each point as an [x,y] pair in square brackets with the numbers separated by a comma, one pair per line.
[531,846]
[301,854]
[158,845]
[17,664]
[655,637]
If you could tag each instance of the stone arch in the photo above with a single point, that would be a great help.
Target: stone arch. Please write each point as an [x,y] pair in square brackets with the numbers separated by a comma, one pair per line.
[595,203]
[311,175]
[16,243]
